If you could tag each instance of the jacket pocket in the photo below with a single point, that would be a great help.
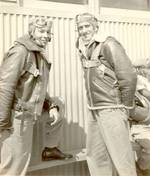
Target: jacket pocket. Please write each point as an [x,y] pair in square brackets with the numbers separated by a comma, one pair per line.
[109,80]
[106,75]
[102,84]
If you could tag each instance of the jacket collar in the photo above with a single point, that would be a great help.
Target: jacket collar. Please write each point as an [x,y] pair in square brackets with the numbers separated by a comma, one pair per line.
[99,38]
[31,46]
[82,48]
[28,43]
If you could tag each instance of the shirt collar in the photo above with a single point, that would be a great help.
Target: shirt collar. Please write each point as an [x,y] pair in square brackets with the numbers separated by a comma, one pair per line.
[96,38]
[99,38]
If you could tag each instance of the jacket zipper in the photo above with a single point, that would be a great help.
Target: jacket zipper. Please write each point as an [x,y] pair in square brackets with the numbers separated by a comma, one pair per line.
[88,87]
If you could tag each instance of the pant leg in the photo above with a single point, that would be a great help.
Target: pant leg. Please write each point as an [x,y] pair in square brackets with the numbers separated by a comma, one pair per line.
[98,159]
[16,148]
[3,135]
[113,125]
[51,133]
[37,142]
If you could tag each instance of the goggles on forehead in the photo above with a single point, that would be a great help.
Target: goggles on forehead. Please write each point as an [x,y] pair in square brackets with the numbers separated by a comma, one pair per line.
[40,22]
[86,17]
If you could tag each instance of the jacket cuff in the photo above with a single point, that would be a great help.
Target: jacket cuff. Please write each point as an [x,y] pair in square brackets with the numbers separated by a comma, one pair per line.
[54,106]
[48,105]
[128,99]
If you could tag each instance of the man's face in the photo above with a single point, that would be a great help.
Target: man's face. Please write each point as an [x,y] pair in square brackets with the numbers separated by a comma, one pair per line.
[41,36]
[86,31]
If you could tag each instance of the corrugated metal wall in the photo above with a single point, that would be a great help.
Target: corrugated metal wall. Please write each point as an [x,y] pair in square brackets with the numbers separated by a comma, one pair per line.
[66,74]
[66,78]
[135,37]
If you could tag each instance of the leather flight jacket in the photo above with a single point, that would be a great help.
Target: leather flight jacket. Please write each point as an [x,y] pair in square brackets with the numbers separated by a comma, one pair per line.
[110,78]
[24,77]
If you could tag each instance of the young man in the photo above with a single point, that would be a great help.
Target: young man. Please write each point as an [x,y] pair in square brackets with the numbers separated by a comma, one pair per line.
[24,76]
[110,82]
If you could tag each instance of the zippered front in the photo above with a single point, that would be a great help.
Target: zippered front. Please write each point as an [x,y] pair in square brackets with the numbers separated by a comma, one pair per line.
[88,87]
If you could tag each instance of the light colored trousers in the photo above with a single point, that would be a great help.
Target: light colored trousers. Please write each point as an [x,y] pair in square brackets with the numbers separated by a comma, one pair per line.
[16,146]
[109,151]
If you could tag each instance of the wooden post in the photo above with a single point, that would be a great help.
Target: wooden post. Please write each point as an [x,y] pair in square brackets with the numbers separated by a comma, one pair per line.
[94,7]
[20,3]
[148,4]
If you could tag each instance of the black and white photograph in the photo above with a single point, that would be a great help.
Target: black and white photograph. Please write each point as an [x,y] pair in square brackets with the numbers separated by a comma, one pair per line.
[74,88]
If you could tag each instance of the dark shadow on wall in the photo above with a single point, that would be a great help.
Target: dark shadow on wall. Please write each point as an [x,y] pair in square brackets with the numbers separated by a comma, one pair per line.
[73,137]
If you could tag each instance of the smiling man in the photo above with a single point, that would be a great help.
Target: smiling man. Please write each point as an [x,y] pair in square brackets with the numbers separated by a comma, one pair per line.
[110,82]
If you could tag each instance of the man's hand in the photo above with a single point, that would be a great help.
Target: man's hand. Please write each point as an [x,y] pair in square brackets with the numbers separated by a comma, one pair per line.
[54,115]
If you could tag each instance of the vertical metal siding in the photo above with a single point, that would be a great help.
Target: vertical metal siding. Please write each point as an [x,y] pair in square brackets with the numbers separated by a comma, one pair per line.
[66,79]
[2,37]
[133,36]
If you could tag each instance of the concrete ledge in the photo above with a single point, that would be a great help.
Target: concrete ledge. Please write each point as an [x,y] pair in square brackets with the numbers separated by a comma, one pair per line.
[78,155]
